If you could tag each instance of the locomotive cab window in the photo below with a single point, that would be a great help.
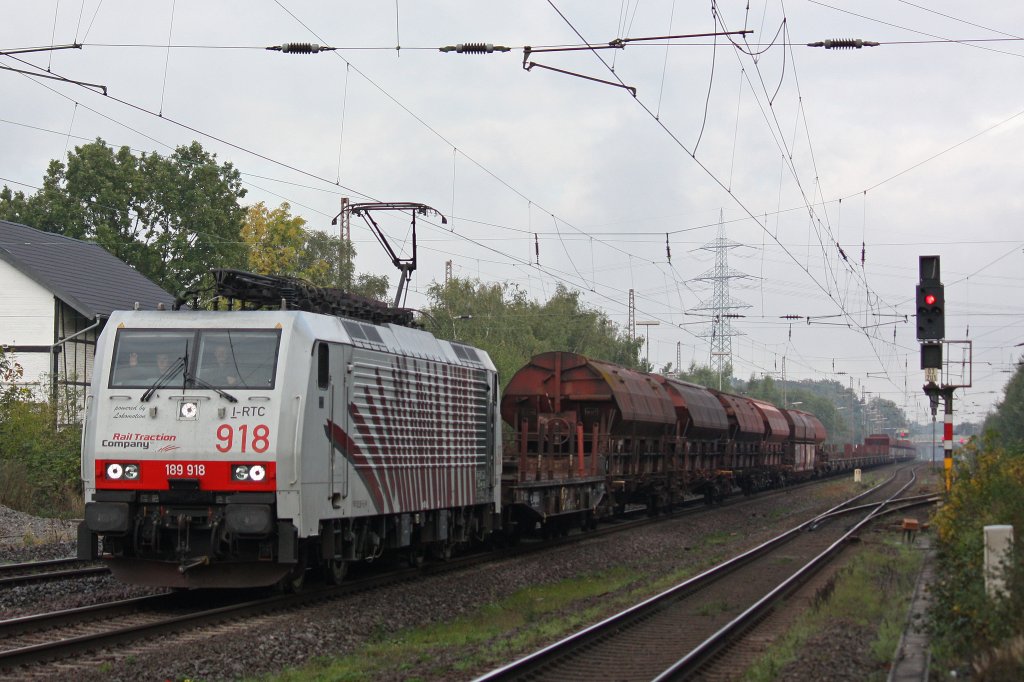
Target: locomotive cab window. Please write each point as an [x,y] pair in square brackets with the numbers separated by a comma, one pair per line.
[220,358]
[237,358]
[142,357]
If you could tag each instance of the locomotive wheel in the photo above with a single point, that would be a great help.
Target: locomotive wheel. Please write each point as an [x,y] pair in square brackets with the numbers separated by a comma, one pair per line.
[442,551]
[335,570]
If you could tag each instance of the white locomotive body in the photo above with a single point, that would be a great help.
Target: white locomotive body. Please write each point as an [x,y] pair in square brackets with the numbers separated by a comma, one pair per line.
[236,449]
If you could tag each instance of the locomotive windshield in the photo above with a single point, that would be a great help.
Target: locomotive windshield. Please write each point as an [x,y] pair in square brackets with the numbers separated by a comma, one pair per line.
[237,359]
[218,358]
[143,357]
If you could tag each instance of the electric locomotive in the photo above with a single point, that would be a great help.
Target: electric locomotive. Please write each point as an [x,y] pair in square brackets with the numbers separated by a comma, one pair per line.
[239,448]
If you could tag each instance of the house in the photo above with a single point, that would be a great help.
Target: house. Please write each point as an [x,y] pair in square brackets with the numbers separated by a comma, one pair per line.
[56,294]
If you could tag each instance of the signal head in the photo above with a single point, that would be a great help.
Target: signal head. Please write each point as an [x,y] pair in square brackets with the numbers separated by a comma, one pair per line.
[931,324]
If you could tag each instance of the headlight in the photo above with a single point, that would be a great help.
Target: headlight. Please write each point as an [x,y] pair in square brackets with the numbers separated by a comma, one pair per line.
[117,471]
[188,410]
[248,472]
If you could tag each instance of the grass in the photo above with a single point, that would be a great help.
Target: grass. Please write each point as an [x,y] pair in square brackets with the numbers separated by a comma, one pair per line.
[873,590]
[495,633]
[714,608]
[716,538]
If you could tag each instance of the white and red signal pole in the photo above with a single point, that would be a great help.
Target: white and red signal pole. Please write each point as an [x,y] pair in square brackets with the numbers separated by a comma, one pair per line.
[931,332]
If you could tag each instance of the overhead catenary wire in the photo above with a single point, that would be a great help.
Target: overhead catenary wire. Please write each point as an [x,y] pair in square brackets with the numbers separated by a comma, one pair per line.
[752,47]
[676,139]
[563,236]
[683,146]
[911,30]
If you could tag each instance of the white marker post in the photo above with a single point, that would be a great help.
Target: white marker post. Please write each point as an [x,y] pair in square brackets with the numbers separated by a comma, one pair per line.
[998,548]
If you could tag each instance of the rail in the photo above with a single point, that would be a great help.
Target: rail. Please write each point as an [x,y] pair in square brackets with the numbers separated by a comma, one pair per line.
[557,656]
[47,571]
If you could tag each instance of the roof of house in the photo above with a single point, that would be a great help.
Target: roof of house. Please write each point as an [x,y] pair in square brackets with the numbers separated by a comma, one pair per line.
[82,274]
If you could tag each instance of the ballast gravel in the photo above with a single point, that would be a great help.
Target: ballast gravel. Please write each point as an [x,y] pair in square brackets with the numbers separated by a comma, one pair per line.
[276,642]
[28,538]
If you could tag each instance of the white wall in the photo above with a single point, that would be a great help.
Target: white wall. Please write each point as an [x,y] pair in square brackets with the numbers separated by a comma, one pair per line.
[26,319]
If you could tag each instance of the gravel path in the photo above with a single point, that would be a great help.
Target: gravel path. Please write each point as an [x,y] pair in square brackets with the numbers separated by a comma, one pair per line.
[272,643]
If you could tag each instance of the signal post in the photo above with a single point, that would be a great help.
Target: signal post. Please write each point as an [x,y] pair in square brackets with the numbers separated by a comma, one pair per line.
[931,333]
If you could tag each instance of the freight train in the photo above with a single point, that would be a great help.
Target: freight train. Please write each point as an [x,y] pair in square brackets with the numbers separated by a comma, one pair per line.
[242,448]
[590,436]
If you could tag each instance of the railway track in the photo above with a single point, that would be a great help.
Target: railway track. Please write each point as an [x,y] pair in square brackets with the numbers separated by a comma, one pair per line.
[680,632]
[46,571]
[37,639]
[29,641]
[58,635]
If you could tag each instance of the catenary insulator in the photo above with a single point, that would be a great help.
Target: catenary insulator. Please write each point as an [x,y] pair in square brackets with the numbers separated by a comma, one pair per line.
[300,48]
[474,48]
[843,44]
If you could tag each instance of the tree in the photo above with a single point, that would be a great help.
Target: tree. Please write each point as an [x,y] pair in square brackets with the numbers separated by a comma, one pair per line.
[1007,421]
[171,218]
[562,322]
[279,243]
[764,389]
[96,196]
[500,319]
[274,239]
[193,215]
[328,261]
[708,377]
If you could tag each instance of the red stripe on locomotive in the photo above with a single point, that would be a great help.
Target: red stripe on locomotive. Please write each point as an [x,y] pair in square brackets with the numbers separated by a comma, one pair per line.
[155,474]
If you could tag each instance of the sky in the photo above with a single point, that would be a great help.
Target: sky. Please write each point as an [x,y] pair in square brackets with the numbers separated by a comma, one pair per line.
[829,171]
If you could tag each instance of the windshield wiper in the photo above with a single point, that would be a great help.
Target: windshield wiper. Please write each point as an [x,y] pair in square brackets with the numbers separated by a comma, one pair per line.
[189,378]
[164,379]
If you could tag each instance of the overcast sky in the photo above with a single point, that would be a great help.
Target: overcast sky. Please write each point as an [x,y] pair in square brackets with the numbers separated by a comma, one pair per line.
[906,149]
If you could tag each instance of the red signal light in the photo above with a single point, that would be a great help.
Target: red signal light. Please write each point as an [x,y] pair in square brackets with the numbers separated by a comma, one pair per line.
[929,299]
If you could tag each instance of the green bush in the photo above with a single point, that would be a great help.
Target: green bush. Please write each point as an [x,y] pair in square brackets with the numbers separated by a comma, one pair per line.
[971,630]
[39,463]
